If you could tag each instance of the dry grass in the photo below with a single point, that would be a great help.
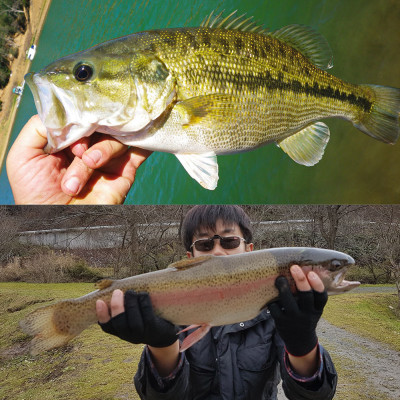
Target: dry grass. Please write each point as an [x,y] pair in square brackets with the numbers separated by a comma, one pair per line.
[48,267]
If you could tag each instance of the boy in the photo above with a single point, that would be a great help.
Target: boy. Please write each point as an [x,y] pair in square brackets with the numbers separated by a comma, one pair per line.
[239,361]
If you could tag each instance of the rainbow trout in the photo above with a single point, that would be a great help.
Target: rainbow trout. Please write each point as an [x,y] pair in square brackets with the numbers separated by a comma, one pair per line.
[200,292]
[227,86]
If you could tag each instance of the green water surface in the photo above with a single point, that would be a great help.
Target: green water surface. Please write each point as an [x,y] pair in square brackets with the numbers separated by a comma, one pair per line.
[365,38]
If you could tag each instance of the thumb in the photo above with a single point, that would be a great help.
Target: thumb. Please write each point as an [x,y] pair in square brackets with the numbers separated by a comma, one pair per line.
[103,315]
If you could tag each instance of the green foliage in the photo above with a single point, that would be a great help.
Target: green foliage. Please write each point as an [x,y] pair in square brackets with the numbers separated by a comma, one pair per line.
[12,21]
[372,274]
[81,272]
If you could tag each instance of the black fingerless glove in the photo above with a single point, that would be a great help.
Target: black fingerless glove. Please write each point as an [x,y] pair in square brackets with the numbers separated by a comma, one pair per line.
[139,324]
[296,321]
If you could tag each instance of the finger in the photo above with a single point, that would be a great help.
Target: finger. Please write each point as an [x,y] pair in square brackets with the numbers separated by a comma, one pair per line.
[117,303]
[111,184]
[132,307]
[315,282]
[146,308]
[286,298]
[102,312]
[134,315]
[300,278]
[33,135]
[320,299]
[275,309]
[306,301]
[102,152]
[75,177]
[80,146]
[126,166]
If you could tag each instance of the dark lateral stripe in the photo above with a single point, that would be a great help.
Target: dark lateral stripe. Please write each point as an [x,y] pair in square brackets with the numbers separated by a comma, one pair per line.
[269,82]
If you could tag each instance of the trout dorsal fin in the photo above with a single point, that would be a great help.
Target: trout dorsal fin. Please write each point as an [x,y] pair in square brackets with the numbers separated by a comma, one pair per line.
[189,263]
[307,146]
[103,284]
[232,22]
[308,42]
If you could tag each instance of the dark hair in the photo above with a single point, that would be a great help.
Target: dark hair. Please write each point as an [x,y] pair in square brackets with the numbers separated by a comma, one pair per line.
[206,216]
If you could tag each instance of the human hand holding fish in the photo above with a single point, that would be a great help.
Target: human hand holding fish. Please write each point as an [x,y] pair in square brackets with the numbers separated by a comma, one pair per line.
[71,176]
[296,319]
[200,293]
[131,318]
[225,87]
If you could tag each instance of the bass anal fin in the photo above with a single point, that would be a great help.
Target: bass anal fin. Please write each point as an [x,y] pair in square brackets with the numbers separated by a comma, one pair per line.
[307,146]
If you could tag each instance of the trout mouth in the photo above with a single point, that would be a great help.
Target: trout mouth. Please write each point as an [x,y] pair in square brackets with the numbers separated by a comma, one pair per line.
[340,285]
[59,113]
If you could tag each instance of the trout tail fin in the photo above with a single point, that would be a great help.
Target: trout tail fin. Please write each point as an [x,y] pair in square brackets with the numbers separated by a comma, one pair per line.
[382,122]
[52,326]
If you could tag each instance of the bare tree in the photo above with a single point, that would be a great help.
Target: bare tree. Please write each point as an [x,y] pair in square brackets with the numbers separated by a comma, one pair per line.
[328,218]
[9,227]
[388,239]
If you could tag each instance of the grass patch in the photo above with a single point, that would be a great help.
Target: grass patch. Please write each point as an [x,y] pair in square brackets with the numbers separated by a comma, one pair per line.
[372,315]
[96,366]
[351,383]
[93,366]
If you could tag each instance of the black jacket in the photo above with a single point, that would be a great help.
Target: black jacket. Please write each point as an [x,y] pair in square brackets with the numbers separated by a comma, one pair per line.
[239,361]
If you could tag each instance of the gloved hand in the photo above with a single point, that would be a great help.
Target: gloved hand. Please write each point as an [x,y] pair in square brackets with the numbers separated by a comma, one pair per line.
[296,321]
[139,324]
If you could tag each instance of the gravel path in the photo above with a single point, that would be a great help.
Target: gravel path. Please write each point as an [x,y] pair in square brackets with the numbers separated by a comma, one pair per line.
[366,360]
[374,361]
[375,289]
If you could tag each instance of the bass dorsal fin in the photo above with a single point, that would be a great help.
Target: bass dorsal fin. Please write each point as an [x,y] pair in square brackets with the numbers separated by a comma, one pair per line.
[308,42]
[232,22]
[304,39]
[189,262]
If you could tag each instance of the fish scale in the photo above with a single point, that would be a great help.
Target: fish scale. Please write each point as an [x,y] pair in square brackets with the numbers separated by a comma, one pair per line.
[204,91]
[204,291]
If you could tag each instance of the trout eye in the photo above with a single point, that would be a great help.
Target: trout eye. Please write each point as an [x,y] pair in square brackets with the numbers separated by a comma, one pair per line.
[336,264]
[83,72]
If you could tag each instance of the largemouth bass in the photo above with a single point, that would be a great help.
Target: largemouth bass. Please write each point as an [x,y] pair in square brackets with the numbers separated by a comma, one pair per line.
[200,292]
[227,86]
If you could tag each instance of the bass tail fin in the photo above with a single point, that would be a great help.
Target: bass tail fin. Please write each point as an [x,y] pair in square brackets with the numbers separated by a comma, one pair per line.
[51,326]
[382,122]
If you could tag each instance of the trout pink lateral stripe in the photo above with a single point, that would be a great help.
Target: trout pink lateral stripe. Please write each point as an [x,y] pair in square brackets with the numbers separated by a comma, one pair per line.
[207,295]
[199,292]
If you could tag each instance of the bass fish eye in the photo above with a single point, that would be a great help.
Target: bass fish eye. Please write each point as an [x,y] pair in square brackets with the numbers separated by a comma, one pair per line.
[83,72]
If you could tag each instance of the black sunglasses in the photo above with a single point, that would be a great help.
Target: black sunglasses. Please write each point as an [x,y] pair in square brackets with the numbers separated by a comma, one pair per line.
[227,243]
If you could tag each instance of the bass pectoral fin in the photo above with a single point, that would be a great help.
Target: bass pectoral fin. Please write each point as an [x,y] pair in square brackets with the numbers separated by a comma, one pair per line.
[195,336]
[201,167]
[307,146]
[207,112]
